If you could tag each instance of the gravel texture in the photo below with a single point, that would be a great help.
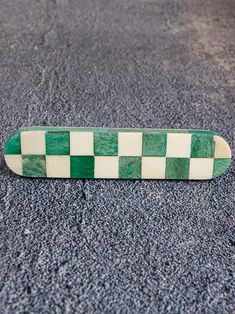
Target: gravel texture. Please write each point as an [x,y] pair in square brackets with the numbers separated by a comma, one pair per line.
[96,246]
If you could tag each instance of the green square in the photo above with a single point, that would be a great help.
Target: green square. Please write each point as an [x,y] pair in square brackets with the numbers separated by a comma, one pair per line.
[154,144]
[106,143]
[13,145]
[130,167]
[177,168]
[220,165]
[34,165]
[82,167]
[202,146]
[57,143]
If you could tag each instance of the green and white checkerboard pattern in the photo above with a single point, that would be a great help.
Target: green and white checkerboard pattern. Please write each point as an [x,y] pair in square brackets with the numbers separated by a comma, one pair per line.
[117,153]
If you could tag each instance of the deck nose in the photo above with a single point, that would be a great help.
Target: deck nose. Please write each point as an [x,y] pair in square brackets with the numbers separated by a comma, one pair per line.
[222,156]
[12,153]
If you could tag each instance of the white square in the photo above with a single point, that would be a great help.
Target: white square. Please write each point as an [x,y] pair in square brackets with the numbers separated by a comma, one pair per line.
[222,149]
[153,167]
[33,143]
[129,143]
[14,162]
[106,167]
[201,168]
[178,145]
[58,166]
[81,143]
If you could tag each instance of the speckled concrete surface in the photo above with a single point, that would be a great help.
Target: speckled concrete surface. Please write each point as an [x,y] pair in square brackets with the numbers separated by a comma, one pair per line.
[117,246]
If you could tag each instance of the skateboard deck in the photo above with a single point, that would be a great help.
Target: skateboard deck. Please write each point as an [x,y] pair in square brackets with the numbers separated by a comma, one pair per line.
[85,153]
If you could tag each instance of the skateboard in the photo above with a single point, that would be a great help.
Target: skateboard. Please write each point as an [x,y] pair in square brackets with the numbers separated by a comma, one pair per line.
[105,153]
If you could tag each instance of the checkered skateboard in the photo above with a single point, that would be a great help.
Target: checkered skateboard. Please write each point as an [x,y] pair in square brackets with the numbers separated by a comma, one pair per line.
[55,152]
